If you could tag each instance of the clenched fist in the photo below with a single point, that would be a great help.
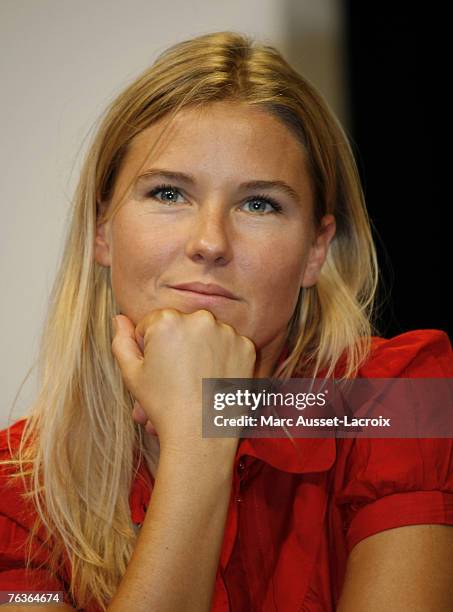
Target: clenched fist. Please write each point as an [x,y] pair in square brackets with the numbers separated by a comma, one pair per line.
[179,350]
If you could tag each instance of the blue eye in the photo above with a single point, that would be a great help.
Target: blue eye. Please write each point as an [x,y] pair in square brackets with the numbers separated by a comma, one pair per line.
[260,199]
[171,191]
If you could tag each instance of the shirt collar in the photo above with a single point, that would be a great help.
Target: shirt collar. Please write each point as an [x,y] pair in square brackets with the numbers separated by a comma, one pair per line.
[298,455]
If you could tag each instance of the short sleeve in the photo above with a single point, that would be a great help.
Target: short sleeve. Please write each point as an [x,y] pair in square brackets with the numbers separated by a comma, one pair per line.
[396,482]
[392,482]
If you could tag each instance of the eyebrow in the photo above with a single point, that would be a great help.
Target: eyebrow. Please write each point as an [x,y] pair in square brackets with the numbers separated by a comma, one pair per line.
[190,180]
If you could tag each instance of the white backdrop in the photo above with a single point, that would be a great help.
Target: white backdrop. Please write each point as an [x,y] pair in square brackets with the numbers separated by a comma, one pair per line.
[61,62]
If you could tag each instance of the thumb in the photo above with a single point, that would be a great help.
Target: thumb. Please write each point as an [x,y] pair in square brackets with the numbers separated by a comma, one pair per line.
[125,348]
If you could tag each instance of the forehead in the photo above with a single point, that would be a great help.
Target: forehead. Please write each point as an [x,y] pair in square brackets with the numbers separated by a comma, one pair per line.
[221,143]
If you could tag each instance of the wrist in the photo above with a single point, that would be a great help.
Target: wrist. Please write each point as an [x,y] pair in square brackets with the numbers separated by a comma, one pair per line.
[208,452]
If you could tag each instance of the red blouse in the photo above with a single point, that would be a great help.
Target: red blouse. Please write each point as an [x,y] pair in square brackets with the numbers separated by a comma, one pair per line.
[294,517]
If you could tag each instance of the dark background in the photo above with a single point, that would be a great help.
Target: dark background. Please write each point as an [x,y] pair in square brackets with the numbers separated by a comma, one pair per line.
[389,85]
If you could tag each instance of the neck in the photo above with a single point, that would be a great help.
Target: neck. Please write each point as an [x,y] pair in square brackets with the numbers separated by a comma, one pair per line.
[267,357]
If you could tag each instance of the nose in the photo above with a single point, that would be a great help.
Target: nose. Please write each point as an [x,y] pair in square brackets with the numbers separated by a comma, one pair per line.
[209,239]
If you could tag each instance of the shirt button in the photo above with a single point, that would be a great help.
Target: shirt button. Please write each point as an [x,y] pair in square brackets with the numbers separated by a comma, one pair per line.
[241,467]
[239,499]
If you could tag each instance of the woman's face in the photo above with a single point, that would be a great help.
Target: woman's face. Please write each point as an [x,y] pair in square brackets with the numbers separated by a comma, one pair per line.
[213,227]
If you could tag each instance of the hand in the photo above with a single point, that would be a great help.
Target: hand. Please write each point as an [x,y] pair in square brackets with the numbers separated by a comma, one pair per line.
[140,417]
[179,350]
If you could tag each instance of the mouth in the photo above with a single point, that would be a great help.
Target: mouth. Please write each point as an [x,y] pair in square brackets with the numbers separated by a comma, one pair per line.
[209,290]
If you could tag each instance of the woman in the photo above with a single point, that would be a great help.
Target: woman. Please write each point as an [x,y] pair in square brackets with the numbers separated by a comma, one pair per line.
[219,215]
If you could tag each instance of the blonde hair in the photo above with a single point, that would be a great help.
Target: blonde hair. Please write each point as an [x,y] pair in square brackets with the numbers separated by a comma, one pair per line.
[80,448]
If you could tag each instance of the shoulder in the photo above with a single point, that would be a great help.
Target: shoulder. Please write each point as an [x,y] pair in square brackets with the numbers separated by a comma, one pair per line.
[415,353]
[13,504]
[17,518]
[10,437]
[392,482]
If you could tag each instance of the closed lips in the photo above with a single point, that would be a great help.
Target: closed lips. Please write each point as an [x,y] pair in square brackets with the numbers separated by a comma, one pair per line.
[208,289]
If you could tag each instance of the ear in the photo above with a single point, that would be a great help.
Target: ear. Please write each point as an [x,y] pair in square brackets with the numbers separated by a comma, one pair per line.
[318,251]
[102,242]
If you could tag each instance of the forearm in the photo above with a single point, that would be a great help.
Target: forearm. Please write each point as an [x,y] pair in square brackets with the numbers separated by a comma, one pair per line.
[174,563]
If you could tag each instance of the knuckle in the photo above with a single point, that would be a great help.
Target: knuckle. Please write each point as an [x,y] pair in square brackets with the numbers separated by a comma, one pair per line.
[155,317]
[115,342]
[169,313]
[203,315]
[144,323]
[249,345]
[229,329]
[166,319]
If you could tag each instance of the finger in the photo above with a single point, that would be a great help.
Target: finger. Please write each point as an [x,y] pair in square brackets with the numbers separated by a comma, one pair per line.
[140,417]
[149,319]
[141,342]
[138,414]
[125,348]
[150,429]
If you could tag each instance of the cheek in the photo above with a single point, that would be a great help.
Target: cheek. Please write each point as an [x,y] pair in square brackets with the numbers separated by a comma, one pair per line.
[274,278]
[279,264]
[139,255]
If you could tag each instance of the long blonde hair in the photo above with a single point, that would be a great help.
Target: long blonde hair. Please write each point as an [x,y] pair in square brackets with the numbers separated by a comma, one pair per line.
[80,447]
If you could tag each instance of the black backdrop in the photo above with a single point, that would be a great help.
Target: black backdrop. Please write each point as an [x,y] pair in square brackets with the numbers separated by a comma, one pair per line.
[390,65]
